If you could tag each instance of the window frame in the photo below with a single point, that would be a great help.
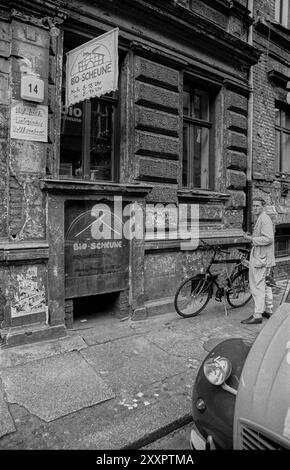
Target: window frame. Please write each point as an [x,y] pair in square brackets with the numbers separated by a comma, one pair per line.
[191,86]
[281,130]
[282,12]
[283,236]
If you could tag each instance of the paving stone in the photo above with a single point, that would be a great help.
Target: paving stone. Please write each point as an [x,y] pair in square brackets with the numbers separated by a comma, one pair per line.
[12,357]
[6,421]
[129,362]
[55,386]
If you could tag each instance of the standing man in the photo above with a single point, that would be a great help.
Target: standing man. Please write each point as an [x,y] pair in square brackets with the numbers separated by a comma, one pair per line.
[262,259]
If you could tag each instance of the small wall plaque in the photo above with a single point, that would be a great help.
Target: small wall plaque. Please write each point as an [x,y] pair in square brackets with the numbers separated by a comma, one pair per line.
[32,88]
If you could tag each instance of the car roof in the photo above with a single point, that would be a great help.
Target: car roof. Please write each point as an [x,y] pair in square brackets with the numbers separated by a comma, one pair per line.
[264,391]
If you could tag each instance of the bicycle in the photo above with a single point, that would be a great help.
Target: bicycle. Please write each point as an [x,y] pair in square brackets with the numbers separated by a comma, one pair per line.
[195,292]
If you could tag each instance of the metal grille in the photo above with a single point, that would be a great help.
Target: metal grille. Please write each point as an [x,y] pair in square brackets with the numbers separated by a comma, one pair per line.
[257,440]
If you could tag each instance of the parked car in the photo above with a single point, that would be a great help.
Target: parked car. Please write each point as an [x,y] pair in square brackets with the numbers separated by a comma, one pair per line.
[241,395]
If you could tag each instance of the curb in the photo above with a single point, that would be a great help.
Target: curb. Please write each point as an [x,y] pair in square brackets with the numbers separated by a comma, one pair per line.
[158,433]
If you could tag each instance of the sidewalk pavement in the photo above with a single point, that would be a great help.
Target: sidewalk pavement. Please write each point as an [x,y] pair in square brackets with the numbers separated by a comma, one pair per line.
[110,384]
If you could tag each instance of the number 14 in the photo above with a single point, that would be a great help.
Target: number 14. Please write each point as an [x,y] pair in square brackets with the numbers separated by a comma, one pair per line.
[34,90]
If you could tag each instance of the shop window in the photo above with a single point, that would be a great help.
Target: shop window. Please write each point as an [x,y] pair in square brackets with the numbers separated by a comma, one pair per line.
[282,242]
[89,140]
[197,171]
[282,127]
[282,12]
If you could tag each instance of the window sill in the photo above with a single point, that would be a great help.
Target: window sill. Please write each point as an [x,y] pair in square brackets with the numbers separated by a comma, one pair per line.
[227,237]
[201,195]
[87,186]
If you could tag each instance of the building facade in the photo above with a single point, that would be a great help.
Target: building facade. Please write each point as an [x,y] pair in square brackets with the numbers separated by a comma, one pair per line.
[182,129]
[271,123]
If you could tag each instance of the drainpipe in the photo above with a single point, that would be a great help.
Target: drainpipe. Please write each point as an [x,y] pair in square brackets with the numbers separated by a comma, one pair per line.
[250,131]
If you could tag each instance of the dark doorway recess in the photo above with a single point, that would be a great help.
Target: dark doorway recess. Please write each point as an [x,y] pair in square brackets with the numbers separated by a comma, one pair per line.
[94,305]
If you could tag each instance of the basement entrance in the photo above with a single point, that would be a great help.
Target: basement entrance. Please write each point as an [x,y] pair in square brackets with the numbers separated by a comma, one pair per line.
[84,312]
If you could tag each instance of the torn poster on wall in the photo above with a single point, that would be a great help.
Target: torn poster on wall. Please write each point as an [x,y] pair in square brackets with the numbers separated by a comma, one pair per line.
[29,296]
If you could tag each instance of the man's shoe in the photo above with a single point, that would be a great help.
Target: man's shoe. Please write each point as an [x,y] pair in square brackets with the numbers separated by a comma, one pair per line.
[252,320]
[266,315]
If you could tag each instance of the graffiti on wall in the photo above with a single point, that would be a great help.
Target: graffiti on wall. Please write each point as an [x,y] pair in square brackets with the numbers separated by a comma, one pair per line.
[29,295]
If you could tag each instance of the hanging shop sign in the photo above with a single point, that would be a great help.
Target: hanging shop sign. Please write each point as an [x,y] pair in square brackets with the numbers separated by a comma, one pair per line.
[92,69]
[29,122]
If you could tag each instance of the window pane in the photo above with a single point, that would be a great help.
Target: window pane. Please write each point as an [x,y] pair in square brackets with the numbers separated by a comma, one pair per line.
[197,106]
[186,102]
[283,118]
[201,105]
[201,157]
[71,141]
[101,148]
[278,151]
[277,10]
[197,156]
[185,168]
[196,138]
[204,158]
[285,13]
[286,153]
[282,247]
[287,125]
[277,117]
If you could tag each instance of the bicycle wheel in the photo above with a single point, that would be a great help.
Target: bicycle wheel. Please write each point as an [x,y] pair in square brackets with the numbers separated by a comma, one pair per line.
[239,292]
[192,296]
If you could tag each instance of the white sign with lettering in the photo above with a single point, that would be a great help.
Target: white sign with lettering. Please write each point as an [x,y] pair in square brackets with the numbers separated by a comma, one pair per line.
[32,88]
[92,69]
[29,122]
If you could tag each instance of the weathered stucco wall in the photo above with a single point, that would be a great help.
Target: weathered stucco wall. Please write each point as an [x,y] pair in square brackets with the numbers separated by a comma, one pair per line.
[27,160]
[152,74]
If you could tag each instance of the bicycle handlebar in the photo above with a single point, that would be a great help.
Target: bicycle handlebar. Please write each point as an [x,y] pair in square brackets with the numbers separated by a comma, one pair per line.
[216,248]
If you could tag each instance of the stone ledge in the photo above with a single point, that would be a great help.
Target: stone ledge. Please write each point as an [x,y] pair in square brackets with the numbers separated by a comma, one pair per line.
[102,188]
[202,195]
[23,251]
[159,306]
[30,334]
[219,237]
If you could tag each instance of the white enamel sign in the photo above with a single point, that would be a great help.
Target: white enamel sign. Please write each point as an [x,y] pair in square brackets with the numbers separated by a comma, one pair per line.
[29,122]
[32,88]
[92,69]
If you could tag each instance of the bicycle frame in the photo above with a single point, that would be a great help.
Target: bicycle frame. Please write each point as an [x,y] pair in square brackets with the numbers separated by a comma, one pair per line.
[195,291]
[236,261]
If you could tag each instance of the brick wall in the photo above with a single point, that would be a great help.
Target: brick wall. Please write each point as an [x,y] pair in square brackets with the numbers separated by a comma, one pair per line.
[264,143]
[4,119]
